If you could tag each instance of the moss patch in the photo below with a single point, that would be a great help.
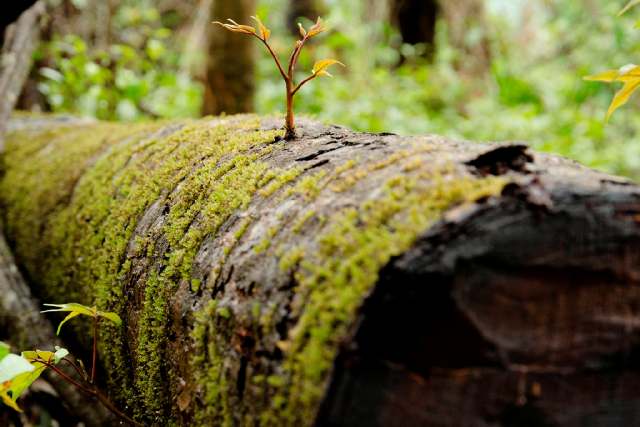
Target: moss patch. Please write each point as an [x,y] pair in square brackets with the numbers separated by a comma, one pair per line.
[75,206]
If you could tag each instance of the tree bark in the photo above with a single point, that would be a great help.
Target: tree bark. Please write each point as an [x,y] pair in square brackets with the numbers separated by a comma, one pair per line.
[230,78]
[339,279]
[16,57]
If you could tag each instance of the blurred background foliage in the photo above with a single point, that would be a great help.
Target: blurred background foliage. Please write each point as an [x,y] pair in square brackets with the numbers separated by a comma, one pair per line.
[512,72]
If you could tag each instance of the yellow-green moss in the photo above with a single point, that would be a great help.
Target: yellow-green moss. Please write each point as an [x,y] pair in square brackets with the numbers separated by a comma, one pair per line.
[333,281]
[78,195]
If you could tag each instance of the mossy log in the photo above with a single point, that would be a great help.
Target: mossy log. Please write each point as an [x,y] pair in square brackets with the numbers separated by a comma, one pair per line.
[339,279]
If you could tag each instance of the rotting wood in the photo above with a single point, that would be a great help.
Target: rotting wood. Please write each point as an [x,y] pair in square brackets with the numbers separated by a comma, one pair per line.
[346,278]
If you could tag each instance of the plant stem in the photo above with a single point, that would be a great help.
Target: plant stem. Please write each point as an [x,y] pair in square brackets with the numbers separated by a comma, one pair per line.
[302,83]
[82,374]
[93,391]
[95,349]
[290,126]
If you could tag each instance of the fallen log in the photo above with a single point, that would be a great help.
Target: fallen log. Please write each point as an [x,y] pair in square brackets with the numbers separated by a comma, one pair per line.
[341,279]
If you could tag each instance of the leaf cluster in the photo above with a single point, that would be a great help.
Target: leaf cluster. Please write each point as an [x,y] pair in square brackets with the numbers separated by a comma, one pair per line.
[18,372]
[629,76]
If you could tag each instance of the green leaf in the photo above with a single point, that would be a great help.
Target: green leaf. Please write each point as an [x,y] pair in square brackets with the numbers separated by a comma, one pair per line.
[23,381]
[13,365]
[66,319]
[75,309]
[110,316]
[4,349]
[60,354]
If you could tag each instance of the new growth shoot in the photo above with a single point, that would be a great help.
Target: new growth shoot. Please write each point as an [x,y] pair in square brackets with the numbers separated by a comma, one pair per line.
[262,33]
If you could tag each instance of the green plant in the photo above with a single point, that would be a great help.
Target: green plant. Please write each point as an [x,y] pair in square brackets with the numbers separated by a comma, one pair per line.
[629,75]
[18,372]
[262,33]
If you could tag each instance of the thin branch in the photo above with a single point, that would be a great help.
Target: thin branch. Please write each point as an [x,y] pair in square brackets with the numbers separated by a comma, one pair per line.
[92,391]
[95,350]
[67,378]
[302,83]
[76,368]
[295,55]
[275,58]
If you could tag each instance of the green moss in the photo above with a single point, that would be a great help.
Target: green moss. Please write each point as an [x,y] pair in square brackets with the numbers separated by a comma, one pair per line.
[297,227]
[78,196]
[279,180]
[265,243]
[309,186]
[195,285]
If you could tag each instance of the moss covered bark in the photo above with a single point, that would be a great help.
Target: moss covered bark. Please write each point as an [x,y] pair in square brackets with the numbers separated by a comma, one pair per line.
[238,263]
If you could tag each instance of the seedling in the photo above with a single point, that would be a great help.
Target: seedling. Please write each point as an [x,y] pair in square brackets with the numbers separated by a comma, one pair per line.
[17,373]
[262,33]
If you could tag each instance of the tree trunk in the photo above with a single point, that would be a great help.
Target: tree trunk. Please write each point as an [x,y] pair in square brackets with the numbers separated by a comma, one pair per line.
[416,20]
[339,279]
[230,79]
[16,59]
[467,31]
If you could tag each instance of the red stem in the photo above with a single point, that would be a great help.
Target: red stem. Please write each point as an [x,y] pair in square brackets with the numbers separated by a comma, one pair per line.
[92,391]
[95,349]
[79,371]
[302,83]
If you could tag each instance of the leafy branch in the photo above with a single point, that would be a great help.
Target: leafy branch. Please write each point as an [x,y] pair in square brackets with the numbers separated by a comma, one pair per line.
[629,76]
[263,34]
[18,372]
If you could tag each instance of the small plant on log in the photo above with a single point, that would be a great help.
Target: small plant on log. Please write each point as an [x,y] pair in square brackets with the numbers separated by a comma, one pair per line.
[629,76]
[18,372]
[262,33]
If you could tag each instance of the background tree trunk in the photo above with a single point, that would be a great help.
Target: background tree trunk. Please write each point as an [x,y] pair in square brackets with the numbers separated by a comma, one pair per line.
[343,278]
[230,79]
[467,31]
[416,20]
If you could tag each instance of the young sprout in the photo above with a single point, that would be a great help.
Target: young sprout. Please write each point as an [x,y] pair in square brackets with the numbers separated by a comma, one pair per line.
[262,33]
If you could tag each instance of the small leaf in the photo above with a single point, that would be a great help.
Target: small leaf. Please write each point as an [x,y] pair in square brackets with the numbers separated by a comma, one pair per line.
[60,354]
[237,28]
[606,76]
[317,28]
[23,381]
[303,32]
[110,316]
[66,319]
[6,399]
[631,4]
[264,31]
[629,75]
[320,67]
[622,96]
[75,309]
